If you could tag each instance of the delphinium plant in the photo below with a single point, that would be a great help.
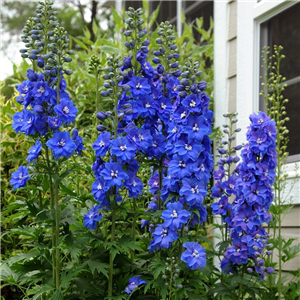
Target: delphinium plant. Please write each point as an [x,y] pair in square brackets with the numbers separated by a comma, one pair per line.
[251,185]
[273,94]
[46,118]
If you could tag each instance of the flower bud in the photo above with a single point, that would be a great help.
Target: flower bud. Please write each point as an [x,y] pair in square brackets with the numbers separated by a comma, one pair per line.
[40,62]
[101,128]
[270,270]
[156,60]
[101,115]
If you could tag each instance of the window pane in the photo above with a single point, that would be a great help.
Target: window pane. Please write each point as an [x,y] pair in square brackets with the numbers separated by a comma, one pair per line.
[293,112]
[284,30]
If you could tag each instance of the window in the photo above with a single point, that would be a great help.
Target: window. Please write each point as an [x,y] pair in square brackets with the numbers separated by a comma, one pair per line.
[284,29]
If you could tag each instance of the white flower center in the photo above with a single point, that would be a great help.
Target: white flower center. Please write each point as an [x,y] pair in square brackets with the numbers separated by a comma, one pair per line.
[91,215]
[188,147]
[164,233]
[41,90]
[141,137]
[195,254]
[123,148]
[202,168]
[61,143]
[155,183]
[192,103]
[99,187]
[134,183]
[139,86]
[66,110]
[174,214]
[261,120]
[196,128]
[29,121]
[147,105]
[25,89]
[174,130]
[195,190]
[101,144]
[114,174]
[181,164]
[154,145]
[231,186]
[163,106]
[259,141]
[183,115]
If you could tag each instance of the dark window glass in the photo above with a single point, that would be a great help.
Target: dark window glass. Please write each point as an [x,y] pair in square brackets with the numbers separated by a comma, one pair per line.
[284,30]
[203,9]
[134,4]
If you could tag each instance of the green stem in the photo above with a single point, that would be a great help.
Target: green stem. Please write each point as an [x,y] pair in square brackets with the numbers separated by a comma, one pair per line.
[53,224]
[133,229]
[113,203]
[241,287]
[180,244]
[111,258]
[57,254]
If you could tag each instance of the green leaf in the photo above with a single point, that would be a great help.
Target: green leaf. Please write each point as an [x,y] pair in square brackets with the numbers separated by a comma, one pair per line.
[100,267]
[80,43]
[154,16]
[95,27]
[57,295]
[110,49]
[117,18]
[40,290]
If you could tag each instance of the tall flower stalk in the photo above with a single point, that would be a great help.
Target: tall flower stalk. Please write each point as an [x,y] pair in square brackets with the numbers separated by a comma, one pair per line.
[47,109]
[273,88]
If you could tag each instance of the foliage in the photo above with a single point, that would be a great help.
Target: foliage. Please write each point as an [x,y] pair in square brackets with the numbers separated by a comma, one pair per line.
[48,253]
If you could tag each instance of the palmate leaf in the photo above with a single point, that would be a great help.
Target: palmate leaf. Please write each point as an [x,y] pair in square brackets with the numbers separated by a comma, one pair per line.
[100,267]
[39,290]
[57,295]
[157,266]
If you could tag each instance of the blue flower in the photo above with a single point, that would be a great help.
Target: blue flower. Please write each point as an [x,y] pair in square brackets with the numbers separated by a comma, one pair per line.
[123,149]
[54,122]
[114,174]
[134,282]
[99,188]
[18,120]
[221,207]
[139,86]
[163,237]
[196,128]
[194,256]
[175,216]
[192,190]
[34,152]
[78,141]
[41,91]
[92,217]
[61,144]
[134,186]
[102,143]
[19,177]
[28,123]
[188,150]
[66,111]
[192,103]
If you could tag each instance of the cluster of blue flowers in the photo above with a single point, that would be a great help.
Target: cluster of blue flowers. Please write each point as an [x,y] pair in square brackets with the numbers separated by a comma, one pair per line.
[47,105]
[253,190]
